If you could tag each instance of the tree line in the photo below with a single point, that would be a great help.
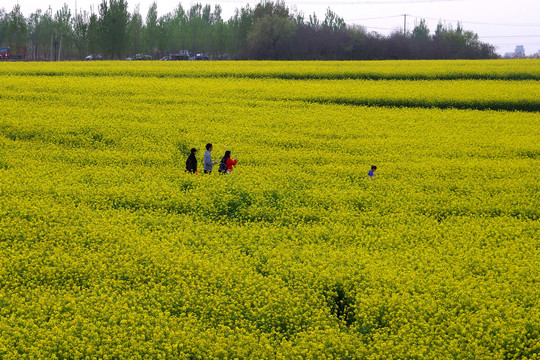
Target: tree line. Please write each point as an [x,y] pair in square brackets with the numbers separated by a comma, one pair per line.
[266,31]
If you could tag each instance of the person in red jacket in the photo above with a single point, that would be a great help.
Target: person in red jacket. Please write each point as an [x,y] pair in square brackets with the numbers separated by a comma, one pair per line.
[227,163]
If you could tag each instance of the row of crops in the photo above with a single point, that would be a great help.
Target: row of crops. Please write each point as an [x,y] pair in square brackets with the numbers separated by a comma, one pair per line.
[457,94]
[523,69]
[108,249]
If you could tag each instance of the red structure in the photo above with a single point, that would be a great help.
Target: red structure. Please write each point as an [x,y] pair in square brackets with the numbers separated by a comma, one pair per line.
[18,53]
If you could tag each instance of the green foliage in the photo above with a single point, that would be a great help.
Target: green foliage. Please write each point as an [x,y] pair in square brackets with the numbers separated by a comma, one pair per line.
[17,30]
[269,31]
[421,31]
[332,21]
[113,22]
[81,33]
[151,30]
[269,37]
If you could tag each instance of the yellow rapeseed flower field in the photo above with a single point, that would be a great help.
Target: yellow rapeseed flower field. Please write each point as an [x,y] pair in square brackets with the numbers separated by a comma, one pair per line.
[109,250]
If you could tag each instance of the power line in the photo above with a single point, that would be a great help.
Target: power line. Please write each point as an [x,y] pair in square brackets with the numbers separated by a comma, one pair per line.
[376,18]
[446,20]
[364,2]
[513,44]
[476,23]
[510,36]
[351,2]
[449,20]
[378,28]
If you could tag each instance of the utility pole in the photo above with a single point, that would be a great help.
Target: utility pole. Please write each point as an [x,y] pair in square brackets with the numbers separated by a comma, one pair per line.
[404,24]
[52,36]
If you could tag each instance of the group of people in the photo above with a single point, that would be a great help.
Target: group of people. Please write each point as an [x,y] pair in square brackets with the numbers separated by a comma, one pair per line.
[225,166]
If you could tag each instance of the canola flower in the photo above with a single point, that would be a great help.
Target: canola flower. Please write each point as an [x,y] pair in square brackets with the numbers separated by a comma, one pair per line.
[109,250]
[524,69]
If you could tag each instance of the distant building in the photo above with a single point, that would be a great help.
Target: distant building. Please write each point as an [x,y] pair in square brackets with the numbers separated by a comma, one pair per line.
[519,52]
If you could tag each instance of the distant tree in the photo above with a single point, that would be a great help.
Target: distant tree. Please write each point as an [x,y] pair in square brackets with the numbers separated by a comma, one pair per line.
[62,20]
[421,31]
[94,35]
[220,37]
[197,31]
[4,21]
[33,34]
[135,33]
[205,29]
[271,32]
[332,21]
[17,30]
[397,46]
[81,25]
[355,47]
[459,44]
[46,35]
[268,37]
[179,29]
[299,19]
[165,27]
[239,26]
[314,22]
[114,19]
[174,33]
[421,43]
[439,31]
[151,29]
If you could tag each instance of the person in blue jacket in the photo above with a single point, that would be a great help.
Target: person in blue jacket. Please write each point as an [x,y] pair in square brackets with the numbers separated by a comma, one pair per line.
[371,172]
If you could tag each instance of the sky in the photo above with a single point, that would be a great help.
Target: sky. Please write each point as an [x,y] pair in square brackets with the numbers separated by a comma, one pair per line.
[502,23]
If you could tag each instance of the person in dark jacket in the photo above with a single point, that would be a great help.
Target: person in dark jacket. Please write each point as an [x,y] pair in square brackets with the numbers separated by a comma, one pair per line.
[191,162]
